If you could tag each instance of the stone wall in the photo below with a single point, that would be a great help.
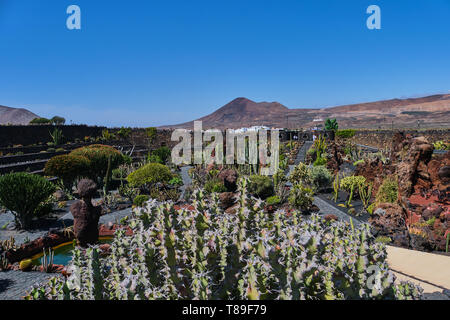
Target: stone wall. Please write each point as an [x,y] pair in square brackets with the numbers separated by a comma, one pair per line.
[34,134]
[383,138]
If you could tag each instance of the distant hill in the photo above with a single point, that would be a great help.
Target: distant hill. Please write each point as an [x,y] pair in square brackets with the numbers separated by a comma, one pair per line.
[431,111]
[16,115]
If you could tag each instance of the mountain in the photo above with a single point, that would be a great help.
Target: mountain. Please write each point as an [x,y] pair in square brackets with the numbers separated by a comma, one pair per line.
[431,111]
[16,115]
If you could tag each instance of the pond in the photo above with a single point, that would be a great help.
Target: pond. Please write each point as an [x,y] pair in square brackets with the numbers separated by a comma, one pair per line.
[63,252]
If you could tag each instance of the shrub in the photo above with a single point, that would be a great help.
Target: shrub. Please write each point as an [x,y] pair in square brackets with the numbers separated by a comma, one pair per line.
[149,174]
[261,186]
[153,158]
[176,181]
[67,167]
[301,197]
[320,178]
[58,120]
[98,156]
[124,133]
[273,200]
[320,162]
[22,194]
[40,121]
[346,133]
[299,174]
[388,191]
[163,153]
[140,200]
[255,256]
[214,185]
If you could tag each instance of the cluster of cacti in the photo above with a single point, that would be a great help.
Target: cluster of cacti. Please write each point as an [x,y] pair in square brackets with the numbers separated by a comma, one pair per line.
[365,194]
[351,184]
[207,254]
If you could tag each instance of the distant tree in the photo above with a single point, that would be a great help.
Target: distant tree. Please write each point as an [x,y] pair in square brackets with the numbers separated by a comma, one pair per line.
[331,124]
[58,120]
[41,121]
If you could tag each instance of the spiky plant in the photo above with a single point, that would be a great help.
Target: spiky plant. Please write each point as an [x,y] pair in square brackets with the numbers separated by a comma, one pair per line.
[206,254]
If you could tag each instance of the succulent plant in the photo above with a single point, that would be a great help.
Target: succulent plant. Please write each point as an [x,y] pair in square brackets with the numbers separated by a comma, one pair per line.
[203,253]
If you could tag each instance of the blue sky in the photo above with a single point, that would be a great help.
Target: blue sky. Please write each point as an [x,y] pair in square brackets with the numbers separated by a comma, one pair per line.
[146,63]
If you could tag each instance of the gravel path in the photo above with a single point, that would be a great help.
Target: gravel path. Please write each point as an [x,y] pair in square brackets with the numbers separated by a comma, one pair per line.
[184,173]
[15,284]
[301,156]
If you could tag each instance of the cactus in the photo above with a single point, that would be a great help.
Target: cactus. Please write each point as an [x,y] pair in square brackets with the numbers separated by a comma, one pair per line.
[47,260]
[336,185]
[206,254]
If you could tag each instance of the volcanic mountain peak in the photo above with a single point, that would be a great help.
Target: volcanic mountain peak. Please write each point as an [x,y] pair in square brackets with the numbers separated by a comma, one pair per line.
[432,111]
[10,115]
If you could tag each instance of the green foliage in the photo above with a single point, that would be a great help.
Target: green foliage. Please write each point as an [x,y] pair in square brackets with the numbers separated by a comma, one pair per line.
[361,161]
[153,158]
[214,185]
[190,255]
[261,186]
[331,124]
[365,194]
[56,120]
[299,174]
[124,133]
[320,146]
[176,181]
[301,197]
[430,222]
[161,155]
[319,178]
[149,174]
[320,161]
[140,200]
[388,191]
[57,136]
[151,133]
[98,156]
[128,192]
[352,184]
[273,200]
[371,208]
[106,135]
[336,185]
[22,193]
[41,121]
[383,239]
[346,133]
[68,168]
[441,145]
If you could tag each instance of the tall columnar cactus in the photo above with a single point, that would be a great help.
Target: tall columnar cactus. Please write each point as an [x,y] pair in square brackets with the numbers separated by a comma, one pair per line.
[206,254]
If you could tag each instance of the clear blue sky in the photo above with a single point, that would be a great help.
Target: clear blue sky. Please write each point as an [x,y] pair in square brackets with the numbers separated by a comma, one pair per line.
[145,63]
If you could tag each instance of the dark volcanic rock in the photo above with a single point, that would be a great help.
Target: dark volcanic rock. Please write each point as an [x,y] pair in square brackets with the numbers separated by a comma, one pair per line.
[86,216]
